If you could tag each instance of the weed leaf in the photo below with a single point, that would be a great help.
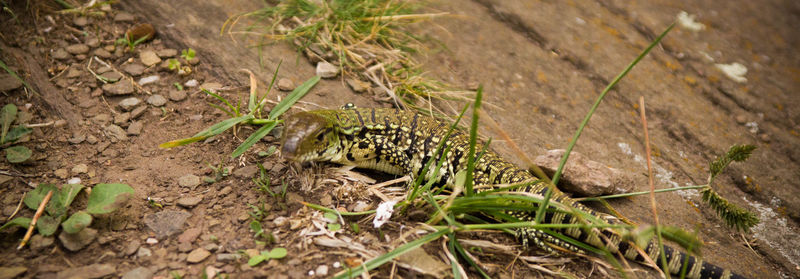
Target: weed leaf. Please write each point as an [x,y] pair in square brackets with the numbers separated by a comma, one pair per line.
[252,139]
[35,197]
[7,116]
[106,198]
[292,98]
[68,193]
[736,153]
[17,222]
[16,133]
[257,259]
[17,154]
[47,225]
[278,253]
[77,222]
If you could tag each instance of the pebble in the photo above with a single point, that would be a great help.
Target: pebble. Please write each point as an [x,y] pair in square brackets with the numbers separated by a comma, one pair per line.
[167,222]
[80,21]
[135,128]
[89,271]
[167,52]
[39,242]
[119,88]
[149,58]
[285,84]
[228,257]
[583,176]
[134,69]
[91,139]
[225,191]
[61,173]
[322,270]
[764,137]
[138,112]
[77,138]
[741,119]
[156,100]
[246,172]
[149,79]
[211,86]
[327,70]
[194,61]
[361,206]
[93,42]
[131,247]
[79,240]
[12,271]
[112,76]
[143,252]
[191,83]
[101,119]
[189,202]
[138,273]
[77,49]
[74,72]
[189,181]
[80,168]
[151,241]
[197,255]
[177,95]
[123,17]
[211,247]
[128,104]
[75,180]
[61,54]
[8,82]
[357,85]
[122,118]
[115,132]
[190,235]
[102,53]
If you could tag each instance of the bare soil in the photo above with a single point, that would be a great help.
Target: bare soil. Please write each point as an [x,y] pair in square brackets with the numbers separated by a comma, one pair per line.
[541,63]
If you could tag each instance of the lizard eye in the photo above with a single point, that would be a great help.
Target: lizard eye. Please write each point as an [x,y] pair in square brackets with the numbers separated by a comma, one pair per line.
[320,136]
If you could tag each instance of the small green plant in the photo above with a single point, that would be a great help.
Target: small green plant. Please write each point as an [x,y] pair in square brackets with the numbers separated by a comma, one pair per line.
[10,135]
[735,216]
[260,233]
[103,199]
[131,43]
[178,86]
[173,64]
[188,54]
[220,171]
[266,255]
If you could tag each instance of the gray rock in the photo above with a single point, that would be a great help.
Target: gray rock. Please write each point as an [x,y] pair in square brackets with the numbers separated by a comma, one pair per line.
[78,49]
[77,138]
[134,69]
[61,54]
[167,222]
[135,128]
[228,257]
[167,52]
[156,100]
[322,270]
[246,172]
[122,118]
[285,84]
[143,252]
[112,76]
[79,240]
[101,119]
[129,103]
[189,235]
[189,202]
[189,181]
[149,79]
[61,173]
[74,72]
[39,242]
[149,58]
[197,255]
[12,271]
[191,83]
[177,95]
[123,17]
[184,247]
[584,177]
[138,273]
[80,168]
[357,85]
[138,112]
[118,88]
[131,247]
[102,53]
[8,82]
[90,271]
[115,132]
[327,70]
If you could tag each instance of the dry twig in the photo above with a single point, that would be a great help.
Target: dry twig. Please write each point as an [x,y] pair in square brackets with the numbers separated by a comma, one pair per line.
[36,216]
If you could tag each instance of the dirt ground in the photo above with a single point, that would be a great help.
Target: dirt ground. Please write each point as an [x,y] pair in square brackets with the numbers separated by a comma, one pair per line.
[542,64]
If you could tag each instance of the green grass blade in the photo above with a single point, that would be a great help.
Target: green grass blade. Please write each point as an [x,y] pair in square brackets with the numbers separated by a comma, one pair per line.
[473,136]
[258,104]
[292,98]
[214,130]
[14,74]
[252,139]
[382,259]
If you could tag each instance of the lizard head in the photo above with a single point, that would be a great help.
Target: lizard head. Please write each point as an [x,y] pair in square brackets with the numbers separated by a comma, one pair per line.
[309,136]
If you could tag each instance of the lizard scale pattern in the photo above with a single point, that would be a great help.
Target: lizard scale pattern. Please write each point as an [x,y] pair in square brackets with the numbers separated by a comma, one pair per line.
[400,142]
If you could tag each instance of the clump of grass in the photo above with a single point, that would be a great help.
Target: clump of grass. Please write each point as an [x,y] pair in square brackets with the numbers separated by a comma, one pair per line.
[367,39]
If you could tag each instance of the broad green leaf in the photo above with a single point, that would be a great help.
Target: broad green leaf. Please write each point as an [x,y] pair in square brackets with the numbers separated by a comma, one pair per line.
[77,222]
[332,217]
[252,139]
[68,193]
[255,260]
[334,227]
[278,253]
[7,116]
[106,198]
[17,154]
[17,222]
[47,225]
[16,133]
[292,98]
[35,197]
[256,226]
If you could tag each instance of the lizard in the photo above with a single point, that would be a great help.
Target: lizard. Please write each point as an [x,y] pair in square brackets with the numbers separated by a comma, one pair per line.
[399,142]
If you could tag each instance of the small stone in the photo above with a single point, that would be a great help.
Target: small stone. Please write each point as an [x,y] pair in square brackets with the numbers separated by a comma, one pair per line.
[156,100]
[197,255]
[225,191]
[134,69]
[80,21]
[90,271]
[189,181]
[143,252]
[93,42]
[149,58]
[167,222]
[246,172]
[135,128]
[79,240]
[280,221]
[361,206]
[764,137]
[582,176]
[77,49]
[357,85]
[80,168]
[128,104]
[177,95]
[115,132]
[61,54]
[211,86]
[194,61]
[189,202]
[8,82]
[191,83]
[167,52]
[189,235]
[138,273]
[101,119]
[74,72]
[97,92]
[77,138]
[111,76]
[91,139]
[322,270]
[118,88]
[61,173]
[149,79]
[184,247]
[39,242]
[211,247]
[12,271]
[151,241]
[131,247]
[102,53]
[285,84]
[228,257]
[326,200]
[123,17]
[122,118]
[741,119]
[327,70]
